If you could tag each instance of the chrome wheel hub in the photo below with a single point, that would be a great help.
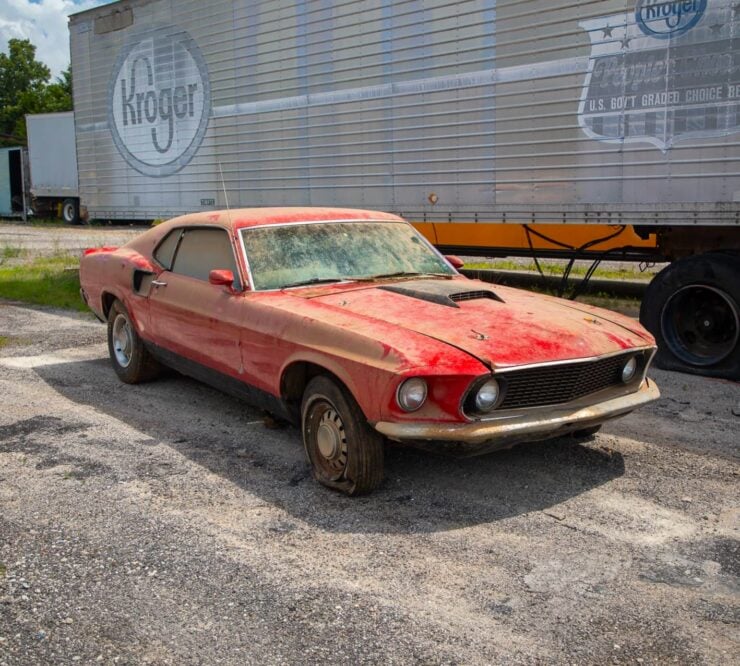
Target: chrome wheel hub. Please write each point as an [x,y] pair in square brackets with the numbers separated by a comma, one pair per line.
[331,440]
[122,339]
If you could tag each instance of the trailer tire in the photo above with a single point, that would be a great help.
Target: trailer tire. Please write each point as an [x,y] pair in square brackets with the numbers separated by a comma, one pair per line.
[692,307]
[71,211]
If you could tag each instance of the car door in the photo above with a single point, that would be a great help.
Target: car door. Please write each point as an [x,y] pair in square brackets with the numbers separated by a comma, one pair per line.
[188,315]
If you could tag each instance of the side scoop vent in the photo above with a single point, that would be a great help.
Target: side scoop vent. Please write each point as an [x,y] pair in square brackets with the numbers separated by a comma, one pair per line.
[474,295]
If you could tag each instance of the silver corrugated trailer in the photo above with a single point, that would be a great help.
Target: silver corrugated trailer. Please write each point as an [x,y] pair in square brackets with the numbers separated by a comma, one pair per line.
[494,124]
[52,156]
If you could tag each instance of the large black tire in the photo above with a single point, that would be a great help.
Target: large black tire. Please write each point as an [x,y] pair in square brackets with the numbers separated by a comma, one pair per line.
[692,307]
[71,211]
[344,451]
[130,359]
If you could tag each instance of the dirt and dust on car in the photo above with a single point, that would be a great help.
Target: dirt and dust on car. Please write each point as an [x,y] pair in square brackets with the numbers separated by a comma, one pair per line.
[350,324]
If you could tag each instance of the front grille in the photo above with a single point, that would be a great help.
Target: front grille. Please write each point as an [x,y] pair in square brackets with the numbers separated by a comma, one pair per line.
[556,384]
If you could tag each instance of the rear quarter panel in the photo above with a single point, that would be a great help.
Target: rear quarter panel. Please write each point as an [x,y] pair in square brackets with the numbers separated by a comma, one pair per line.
[106,271]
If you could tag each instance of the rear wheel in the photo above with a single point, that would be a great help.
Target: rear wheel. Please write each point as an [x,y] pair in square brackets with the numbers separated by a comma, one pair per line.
[130,359]
[71,211]
[344,451]
[692,307]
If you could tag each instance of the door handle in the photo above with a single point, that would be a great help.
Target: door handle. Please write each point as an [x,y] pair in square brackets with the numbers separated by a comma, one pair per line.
[158,283]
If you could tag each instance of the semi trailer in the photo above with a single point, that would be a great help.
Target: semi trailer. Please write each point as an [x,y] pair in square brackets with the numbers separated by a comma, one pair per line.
[561,128]
[52,156]
[41,179]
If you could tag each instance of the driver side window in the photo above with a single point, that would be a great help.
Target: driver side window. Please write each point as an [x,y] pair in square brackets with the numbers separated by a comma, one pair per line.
[202,250]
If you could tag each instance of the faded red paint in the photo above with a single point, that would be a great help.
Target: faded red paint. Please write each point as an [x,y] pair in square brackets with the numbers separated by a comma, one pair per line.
[370,338]
[95,250]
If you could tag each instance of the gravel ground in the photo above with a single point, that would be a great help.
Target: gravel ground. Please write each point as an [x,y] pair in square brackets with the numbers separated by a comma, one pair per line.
[167,524]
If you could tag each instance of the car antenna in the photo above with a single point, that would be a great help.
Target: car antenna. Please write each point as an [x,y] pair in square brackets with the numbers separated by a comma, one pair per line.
[223,186]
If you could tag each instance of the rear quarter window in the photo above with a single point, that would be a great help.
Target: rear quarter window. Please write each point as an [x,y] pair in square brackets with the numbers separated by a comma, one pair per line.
[165,252]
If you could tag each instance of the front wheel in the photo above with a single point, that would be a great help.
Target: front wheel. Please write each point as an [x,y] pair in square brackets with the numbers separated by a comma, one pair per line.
[344,451]
[130,359]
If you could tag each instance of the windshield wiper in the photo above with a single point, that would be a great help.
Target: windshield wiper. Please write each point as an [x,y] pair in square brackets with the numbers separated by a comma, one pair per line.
[381,276]
[363,278]
[314,280]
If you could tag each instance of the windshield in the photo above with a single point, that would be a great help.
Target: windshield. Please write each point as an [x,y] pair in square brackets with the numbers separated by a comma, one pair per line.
[312,253]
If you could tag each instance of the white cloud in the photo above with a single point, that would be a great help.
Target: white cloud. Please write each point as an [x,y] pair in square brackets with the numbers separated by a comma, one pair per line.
[44,22]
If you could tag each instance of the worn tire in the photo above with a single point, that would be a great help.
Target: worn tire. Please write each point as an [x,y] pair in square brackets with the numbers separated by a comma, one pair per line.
[332,421]
[692,307]
[71,211]
[141,365]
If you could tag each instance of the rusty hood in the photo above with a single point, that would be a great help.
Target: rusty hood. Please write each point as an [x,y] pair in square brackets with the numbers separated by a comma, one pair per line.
[498,325]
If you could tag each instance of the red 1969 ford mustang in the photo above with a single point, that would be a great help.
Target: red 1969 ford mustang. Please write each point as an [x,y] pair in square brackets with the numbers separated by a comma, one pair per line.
[350,324]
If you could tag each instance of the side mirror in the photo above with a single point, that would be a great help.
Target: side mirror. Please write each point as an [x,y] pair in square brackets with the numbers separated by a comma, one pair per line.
[456,262]
[221,278]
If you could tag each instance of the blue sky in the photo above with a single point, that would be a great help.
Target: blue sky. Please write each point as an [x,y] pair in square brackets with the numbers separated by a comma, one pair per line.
[44,22]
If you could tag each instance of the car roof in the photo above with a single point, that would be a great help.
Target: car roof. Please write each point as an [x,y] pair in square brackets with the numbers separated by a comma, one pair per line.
[239,218]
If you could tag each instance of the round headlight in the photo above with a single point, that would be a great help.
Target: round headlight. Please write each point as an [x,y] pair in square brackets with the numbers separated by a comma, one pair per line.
[487,396]
[412,394]
[629,369]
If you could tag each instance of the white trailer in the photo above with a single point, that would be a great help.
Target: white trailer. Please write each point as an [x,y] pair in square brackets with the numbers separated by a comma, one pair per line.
[52,153]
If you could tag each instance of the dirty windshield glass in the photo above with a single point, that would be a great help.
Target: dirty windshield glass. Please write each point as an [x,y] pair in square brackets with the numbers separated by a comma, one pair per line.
[313,253]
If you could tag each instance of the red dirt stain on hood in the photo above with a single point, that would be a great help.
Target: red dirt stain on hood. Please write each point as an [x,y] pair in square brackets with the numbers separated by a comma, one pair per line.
[525,328]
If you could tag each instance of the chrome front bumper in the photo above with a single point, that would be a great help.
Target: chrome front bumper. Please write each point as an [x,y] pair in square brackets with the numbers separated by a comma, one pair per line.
[501,433]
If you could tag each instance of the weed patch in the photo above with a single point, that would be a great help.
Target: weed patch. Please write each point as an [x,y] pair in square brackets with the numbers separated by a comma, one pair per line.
[557,270]
[11,252]
[50,280]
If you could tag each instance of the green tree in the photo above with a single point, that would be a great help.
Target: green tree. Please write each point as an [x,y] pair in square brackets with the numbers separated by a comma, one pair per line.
[58,95]
[25,88]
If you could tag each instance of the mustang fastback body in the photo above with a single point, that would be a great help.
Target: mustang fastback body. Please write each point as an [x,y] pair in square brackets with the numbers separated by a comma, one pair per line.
[350,324]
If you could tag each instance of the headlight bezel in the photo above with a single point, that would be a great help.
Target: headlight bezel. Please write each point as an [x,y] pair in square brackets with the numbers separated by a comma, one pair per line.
[406,383]
[469,403]
[635,362]
[493,382]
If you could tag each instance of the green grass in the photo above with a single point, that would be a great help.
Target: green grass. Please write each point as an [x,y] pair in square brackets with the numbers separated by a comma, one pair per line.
[12,252]
[557,270]
[44,281]
[4,341]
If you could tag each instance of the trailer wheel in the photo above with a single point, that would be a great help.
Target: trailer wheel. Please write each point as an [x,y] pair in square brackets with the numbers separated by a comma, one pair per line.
[692,307]
[71,211]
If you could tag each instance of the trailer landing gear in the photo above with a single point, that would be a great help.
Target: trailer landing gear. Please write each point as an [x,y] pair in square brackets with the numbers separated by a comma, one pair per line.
[692,307]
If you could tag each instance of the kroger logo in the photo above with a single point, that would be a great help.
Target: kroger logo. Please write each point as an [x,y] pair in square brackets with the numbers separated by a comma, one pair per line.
[663,19]
[159,101]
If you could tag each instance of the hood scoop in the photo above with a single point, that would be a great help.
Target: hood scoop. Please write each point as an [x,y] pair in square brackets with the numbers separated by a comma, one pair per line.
[441,293]
[474,296]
